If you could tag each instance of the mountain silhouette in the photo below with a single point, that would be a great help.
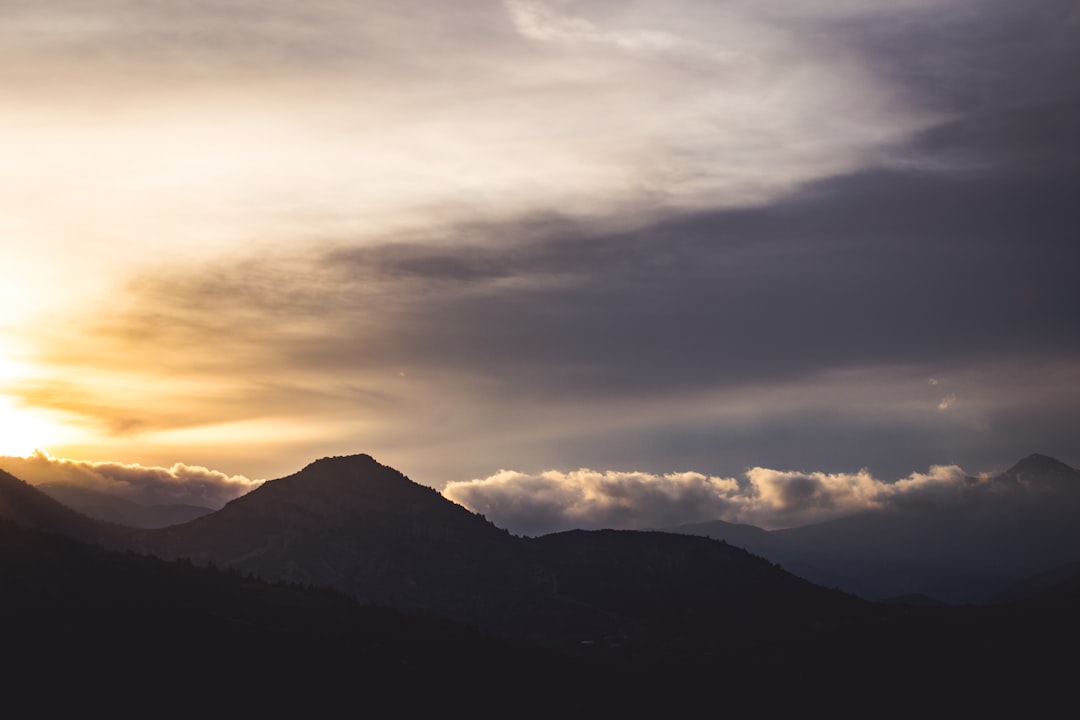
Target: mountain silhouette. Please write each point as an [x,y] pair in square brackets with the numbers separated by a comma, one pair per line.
[364,528]
[1041,472]
[132,633]
[698,615]
[27,506]
[352,524]
[662,591]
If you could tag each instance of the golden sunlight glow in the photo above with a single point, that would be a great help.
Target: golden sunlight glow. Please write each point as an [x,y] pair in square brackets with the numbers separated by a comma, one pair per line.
[22,429]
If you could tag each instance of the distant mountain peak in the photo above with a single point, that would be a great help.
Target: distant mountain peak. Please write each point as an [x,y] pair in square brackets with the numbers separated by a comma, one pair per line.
[1039,468]
[1043,473]
[1038,462]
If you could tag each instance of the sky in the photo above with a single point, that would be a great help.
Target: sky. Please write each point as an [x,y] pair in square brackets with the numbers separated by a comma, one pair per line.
[487,240]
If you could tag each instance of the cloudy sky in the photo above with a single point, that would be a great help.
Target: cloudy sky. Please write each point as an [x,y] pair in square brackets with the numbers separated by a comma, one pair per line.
[488,239]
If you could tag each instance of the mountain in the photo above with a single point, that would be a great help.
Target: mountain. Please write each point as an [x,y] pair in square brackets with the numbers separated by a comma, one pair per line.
[679,621]
[111,508]
[1043,473]
[135,634]
[661,592]
[354,525]
[26,506]
[1009,526]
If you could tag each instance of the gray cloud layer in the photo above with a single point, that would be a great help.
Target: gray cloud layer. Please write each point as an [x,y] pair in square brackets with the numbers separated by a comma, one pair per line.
[535,504]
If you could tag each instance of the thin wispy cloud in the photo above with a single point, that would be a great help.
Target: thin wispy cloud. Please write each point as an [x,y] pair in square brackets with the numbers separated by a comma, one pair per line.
[543,21]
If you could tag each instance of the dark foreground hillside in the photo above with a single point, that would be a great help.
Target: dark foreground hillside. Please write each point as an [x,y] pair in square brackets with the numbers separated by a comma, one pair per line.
[644,623]
[365,529]
[95,631]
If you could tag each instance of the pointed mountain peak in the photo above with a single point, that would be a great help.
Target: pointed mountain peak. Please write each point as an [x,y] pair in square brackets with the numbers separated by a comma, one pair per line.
[337,473]
[1042,471]
[1041,464]
[349,473]
[344,489]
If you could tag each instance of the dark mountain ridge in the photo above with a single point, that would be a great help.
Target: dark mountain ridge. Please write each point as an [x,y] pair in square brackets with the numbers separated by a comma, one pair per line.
[351,524]
[89,627]
[699,616]
[355,525]
[25,505]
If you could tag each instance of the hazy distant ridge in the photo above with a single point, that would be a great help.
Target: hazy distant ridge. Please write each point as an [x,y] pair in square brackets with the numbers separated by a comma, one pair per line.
[1009,526]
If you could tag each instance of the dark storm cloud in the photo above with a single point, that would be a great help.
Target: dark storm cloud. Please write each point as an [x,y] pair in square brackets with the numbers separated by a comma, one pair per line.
[877,269]
[1003,72]
[869,270]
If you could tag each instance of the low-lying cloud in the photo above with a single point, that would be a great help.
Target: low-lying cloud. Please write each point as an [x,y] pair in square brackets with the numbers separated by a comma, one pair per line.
[179,484]
[533,504]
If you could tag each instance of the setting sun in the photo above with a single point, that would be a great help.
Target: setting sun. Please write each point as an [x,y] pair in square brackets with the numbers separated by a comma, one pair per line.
[22,432]
[22,429]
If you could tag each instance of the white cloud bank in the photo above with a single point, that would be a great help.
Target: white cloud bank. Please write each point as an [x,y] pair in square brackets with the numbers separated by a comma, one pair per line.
[179,484]
[550,501]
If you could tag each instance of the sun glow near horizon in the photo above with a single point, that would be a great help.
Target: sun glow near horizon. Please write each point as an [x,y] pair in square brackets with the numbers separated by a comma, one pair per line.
[23,429]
